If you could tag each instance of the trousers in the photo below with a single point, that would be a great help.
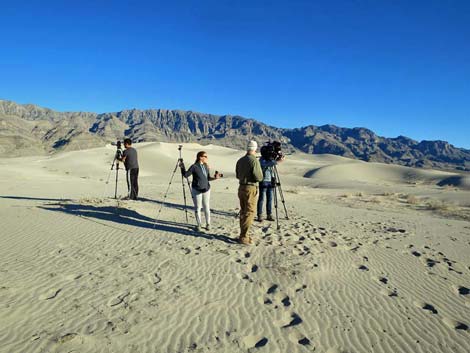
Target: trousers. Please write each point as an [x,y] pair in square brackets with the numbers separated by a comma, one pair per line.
[247,195]
[201,200]
[268,190]
[132,183]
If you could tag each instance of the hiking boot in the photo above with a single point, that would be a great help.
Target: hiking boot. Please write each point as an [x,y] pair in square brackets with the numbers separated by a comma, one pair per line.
[270,218]
[208,227]
[198,229]
[245,241]
[260,218]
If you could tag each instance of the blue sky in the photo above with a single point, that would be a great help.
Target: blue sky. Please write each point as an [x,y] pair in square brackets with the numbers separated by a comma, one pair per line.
[395,67]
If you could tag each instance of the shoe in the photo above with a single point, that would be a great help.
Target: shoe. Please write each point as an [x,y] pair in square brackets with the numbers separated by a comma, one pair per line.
[260,218]
[270,218]
[208,227]
[245,241]
[198,229]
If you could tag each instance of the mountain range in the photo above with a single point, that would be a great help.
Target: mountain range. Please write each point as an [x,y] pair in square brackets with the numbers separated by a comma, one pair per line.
[31,130]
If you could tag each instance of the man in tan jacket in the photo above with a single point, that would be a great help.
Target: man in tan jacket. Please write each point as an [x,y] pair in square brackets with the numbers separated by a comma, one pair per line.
[249,174]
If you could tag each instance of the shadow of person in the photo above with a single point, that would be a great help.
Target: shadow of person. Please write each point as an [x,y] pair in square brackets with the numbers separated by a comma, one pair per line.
[181,207]
[32,198]
[130,217]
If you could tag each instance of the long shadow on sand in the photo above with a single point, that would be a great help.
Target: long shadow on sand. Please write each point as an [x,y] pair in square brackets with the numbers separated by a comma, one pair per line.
[143,199]
[190,205]
[130,217]
[32,198]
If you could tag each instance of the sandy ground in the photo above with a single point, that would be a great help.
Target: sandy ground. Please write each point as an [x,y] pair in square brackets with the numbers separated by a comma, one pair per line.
[372,258]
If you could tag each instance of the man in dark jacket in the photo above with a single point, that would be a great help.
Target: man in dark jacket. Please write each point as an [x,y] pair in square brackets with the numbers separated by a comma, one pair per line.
[129,157]
[249,174]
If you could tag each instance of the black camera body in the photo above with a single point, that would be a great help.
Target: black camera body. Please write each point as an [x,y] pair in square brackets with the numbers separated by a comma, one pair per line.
[118,155]
[271,151]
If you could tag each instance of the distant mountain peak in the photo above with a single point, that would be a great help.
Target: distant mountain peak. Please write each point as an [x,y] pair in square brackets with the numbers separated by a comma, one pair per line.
[30,129]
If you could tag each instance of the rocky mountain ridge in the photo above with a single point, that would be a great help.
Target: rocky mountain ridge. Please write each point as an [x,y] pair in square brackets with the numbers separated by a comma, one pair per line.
[29,129]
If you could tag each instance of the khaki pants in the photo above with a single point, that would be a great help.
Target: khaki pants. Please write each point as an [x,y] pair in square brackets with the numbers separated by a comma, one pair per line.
[248,197]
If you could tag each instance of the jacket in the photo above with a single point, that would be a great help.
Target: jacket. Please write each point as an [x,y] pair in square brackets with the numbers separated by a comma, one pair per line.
[248,170]
[200,173]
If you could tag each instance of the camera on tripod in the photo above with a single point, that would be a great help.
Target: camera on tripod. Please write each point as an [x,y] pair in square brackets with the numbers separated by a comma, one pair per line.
[118,154]
[271,151]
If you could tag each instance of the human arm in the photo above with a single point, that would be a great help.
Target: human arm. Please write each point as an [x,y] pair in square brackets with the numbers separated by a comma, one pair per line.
[257,171]
[121,156]
[184,172]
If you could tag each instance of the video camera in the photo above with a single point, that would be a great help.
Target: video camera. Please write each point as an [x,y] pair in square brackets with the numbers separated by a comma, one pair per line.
[118,155]
[271,151]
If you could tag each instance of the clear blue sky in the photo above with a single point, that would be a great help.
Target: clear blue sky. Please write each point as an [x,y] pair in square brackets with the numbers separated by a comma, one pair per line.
[396,67]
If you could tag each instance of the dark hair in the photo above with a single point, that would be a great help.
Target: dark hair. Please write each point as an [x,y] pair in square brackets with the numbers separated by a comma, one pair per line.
[199,155]
[127,141]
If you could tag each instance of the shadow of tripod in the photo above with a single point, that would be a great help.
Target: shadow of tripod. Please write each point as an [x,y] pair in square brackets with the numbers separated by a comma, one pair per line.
[178,163]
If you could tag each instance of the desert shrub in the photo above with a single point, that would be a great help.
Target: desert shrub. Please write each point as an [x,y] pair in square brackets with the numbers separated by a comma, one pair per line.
[437,205]
[412,199]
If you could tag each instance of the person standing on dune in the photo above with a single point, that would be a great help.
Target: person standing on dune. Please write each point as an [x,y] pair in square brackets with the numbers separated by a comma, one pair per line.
[249,174]
[129,158]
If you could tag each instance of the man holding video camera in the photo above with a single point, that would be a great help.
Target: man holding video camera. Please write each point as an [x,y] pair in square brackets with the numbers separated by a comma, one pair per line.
[129,158]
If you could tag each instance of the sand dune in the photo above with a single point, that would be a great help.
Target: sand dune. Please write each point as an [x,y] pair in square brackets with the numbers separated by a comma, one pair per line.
[363,172]
[365,262]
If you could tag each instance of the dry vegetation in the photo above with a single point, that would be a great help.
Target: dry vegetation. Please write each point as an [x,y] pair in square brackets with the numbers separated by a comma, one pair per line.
[389,199]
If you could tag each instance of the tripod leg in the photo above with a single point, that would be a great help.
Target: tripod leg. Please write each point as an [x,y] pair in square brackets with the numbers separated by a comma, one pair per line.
[184,196]
[107,179]
[189,188]
[278,184]
[275,206]
[116,184]
[165,195]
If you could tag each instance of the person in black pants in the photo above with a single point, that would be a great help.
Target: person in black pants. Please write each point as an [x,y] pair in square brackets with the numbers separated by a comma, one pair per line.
[129,157]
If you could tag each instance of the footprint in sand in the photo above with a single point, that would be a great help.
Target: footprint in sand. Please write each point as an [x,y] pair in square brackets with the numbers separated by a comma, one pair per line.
[431,262]
[119,299]
[463,290]
[286,301]
[256,341]
[300,289]
[383,280]
[154,279]
[73,277]
[272,289]
[296,337]
[289,320]
[392,293]
[426,306]
[244,276]
[52,294]
[66,338]
[454,324]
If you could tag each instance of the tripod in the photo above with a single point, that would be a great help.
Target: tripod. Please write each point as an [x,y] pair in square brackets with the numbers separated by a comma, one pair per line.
[178,163]
[276,182]
[117,156]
